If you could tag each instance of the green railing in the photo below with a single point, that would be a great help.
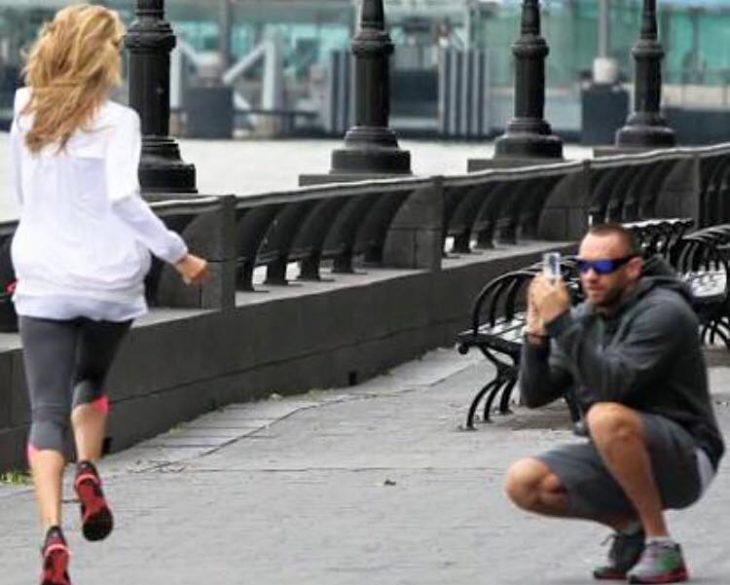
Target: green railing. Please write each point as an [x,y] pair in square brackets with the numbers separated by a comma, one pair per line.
[696,39]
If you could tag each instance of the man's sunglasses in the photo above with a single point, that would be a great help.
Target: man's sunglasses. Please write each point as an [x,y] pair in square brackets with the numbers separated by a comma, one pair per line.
[602,266]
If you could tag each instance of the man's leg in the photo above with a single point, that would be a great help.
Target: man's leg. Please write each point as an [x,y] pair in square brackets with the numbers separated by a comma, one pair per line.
[618,433]
[532,486]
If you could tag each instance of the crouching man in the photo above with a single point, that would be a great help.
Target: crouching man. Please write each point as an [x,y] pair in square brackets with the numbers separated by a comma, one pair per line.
[632,356]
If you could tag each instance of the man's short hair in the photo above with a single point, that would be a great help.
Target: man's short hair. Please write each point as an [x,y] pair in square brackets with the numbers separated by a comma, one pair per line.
[616,229]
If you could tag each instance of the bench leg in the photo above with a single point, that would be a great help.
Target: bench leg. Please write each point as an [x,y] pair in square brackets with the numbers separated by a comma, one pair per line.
[501,382]
[477,399]
[506,394]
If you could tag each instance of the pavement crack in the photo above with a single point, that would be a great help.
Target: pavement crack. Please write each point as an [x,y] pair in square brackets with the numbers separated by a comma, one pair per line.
[354,469]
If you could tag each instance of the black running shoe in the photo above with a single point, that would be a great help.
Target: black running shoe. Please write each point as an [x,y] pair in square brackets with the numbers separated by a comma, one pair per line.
[55,558]
[622,556]
[96,517]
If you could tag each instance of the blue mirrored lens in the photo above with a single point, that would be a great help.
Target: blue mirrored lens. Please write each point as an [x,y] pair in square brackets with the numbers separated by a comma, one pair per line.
[604,266]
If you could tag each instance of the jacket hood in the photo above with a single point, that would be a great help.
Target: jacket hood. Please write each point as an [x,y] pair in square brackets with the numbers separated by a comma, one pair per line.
[658,273]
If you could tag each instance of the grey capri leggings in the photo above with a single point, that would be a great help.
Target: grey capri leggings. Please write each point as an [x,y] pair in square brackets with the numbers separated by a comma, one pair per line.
[66,364]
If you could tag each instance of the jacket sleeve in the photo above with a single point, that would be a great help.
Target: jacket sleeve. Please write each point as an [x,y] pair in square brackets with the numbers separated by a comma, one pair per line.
[617,372]
[543,375]
[123,153]
[149,229]
[16,181]
[122,166]
[16,146]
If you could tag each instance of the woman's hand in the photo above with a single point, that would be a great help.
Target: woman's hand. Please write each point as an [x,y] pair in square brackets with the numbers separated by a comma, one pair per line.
[193,269]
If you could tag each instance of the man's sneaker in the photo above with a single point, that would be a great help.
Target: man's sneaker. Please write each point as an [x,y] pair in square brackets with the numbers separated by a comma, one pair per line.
[661,562]
[55,558]
[96,517]
[624,553]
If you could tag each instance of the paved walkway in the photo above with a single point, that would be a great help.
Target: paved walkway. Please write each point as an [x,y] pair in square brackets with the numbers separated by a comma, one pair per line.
[369,485]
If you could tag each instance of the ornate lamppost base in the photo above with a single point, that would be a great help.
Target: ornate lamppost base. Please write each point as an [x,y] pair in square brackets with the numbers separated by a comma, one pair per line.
[645,136]
[524,145]
[161,169]
[519,149]
[368,153]
[371,150]
[371,160]
[349,165]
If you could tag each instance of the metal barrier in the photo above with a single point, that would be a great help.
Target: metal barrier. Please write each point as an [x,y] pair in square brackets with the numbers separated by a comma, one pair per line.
[499,205]
[313,224]
[410,222]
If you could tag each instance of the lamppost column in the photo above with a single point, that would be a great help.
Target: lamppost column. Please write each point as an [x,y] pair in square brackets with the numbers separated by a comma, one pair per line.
[528,134]
[646,127]
[371,146]
[149,42]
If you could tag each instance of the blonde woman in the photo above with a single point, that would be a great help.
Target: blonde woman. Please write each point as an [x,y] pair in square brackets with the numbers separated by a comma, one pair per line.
[81,252]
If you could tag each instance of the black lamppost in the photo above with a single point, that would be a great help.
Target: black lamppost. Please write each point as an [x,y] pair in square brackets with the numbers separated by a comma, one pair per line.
[646,127]
[371,147]
[149,41]
[528,134]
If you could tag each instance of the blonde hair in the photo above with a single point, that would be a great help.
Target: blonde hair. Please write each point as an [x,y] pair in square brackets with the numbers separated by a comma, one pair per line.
[71,69]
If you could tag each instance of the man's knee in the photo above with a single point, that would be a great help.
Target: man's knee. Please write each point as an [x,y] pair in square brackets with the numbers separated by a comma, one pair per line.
[613,421]
[527,479]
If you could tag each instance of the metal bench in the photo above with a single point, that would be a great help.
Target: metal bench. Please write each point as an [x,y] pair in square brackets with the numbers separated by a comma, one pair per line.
[500,335]
[703,264]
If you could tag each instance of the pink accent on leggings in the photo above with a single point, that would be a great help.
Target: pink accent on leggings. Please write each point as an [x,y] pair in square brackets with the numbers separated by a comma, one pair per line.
[30,451]
[102,404]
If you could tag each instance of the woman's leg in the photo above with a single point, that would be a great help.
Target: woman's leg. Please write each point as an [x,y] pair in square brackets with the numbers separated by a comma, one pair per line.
[47,470]
[89,425]
[97,346]
[48,355]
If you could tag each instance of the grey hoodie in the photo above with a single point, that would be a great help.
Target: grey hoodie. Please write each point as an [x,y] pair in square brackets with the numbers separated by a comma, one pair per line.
[647,356]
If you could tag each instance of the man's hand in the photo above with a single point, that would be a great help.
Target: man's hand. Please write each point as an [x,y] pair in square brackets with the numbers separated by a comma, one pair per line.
[193,269]
[535,325]
[550,299]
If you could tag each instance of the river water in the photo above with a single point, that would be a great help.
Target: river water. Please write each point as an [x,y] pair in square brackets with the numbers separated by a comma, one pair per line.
[248,166]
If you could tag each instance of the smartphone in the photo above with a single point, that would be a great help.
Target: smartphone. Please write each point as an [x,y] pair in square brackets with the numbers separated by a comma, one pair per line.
[551,265]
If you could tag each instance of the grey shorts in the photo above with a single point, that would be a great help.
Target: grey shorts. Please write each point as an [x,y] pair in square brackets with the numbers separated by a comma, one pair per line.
[594,493]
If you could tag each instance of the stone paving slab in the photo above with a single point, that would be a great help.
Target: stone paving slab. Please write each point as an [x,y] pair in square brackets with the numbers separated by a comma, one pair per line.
[370,484]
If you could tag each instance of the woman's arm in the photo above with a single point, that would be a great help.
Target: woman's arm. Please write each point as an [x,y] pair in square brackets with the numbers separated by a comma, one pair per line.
[16,181]
[122,164]
[163,243]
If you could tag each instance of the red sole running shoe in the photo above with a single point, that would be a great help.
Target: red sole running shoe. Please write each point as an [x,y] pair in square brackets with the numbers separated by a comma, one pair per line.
[55,564]
[96,517]
[678,576]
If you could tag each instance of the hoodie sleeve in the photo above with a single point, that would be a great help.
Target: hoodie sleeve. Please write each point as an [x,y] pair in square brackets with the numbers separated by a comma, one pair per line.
[620,371]
[544,376]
